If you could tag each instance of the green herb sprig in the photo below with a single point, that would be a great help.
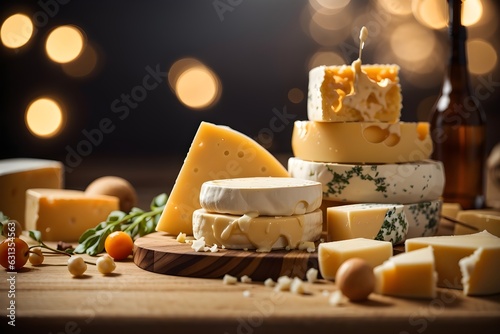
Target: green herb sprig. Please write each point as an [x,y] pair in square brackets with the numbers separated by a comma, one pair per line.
[136,223]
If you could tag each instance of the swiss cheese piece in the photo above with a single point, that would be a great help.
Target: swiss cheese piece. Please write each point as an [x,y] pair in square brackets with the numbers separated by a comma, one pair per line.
[266,196]
[20,174]
[63,215]
[361,142]
[478,278]
[386,222]
[411,275]
[376,183]
[262,233]
[449,250]
[332,254]
[356,93]
[217,152]
[480,219]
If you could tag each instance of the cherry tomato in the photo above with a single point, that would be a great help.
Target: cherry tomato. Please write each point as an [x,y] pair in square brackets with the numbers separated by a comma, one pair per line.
[14,253]
[119,245]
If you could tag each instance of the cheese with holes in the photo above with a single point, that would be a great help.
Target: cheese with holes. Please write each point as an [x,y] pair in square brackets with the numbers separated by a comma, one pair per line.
[449,250]
[332,254]
[478,277]
[378,183]
[354,93]
[361,142]
[20,174]
[386,222]
[411,275]
[217,152]
[480,219]
[63,215]
[262,233]
[266,196]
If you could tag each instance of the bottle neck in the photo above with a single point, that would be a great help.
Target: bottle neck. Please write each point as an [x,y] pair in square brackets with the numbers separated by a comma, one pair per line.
[457,71]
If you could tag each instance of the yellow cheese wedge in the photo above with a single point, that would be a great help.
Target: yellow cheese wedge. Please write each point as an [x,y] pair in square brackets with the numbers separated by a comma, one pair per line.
[361,142]
[21,174]
[63,215]
[451,209]
[217,152]
[478,277]
[411,275]
[347,94]
[480,219]
[449,250]
[332,254]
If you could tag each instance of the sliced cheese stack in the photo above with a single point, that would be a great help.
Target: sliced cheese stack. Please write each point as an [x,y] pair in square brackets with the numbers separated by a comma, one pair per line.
[261,213]
[355,145]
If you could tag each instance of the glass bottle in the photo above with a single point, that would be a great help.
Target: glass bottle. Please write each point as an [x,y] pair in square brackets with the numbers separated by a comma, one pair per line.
[458,124]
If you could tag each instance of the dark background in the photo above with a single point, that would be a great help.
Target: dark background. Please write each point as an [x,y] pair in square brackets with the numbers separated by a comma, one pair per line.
[259,50]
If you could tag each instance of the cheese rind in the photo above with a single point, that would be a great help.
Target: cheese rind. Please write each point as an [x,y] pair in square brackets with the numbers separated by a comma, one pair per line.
[386,222]
[63,215]
[351,94]
[481,219]
[411,275]
[361,142]
[376,183]
[449,250]
[217,152]
[20,174]
[262,233]
[332,254]
[266,196]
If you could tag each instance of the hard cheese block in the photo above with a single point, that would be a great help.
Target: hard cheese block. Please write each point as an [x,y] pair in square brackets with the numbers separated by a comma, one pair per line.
[217,152]
[481,219]
[449,250]
[386,222]
[262,233]
[354,93]
[20,174]
[63,215]
[332,254]
[376,183]
[478,277]
[361,142]
[410,275]
[268,196]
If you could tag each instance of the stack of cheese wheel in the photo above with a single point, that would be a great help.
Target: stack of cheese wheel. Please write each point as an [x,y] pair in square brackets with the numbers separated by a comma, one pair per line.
[261,213]
[355,145]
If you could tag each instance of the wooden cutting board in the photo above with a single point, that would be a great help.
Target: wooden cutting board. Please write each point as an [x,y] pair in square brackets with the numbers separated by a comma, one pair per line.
[161,253]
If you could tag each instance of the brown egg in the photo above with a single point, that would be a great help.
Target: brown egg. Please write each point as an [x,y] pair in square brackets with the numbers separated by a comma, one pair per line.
[114,186]
[355,279]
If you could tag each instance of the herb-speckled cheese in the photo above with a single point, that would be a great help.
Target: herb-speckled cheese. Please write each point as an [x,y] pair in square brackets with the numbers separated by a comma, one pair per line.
[423,218]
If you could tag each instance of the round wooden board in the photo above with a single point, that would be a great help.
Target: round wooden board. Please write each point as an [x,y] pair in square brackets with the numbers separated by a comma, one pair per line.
[161,253]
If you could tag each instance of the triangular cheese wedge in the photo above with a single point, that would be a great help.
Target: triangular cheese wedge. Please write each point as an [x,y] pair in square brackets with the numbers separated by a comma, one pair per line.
[217,152]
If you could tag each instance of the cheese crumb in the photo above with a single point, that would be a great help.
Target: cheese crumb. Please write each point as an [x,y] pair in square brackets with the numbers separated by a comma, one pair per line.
[269,283]
[309,246]
[247,293]
[297,286]
[312,275]
[199,245]
[245,279]
[229,280]
[336,298]
[181,237]
[283,283]
[214,248]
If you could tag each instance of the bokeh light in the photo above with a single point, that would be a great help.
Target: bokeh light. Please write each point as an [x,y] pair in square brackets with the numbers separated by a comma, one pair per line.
[412,42]
[84,65]
[434,13]
[64,44]
[396,7]
[44,117]
[482,56]
[16,31]
[325,58]
[328,5]
[295,95]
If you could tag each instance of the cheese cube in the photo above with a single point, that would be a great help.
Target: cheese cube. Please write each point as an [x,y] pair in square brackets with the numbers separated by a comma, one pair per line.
[20,174]
[411,274]
[449,250]
[385,222]
[481,219]
[332,254]
[63,215]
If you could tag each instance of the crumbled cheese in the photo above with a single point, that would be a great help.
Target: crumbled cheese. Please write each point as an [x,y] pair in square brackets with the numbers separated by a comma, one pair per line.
[297,286]
[181,237]
[247,293]
[214,248]
[199,245]
[312,275]
[283,283]
[206,249]
[307,245]
[269,283]
[336,298]
[245,279]
[229,280]
[325,293]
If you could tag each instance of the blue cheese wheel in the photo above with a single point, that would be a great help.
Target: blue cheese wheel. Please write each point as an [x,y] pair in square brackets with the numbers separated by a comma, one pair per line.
[374,183]
[423,218]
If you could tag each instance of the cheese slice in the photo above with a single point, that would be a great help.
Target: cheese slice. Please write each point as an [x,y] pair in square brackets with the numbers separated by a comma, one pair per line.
[376,183]
[410,275]
[332,254]
[20,174]
[262,233]
[480,219]
[478,277]
[217,152]
[356,93]
[361,142]
[449,250]
[266,196]
[63,215]
[386,222]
